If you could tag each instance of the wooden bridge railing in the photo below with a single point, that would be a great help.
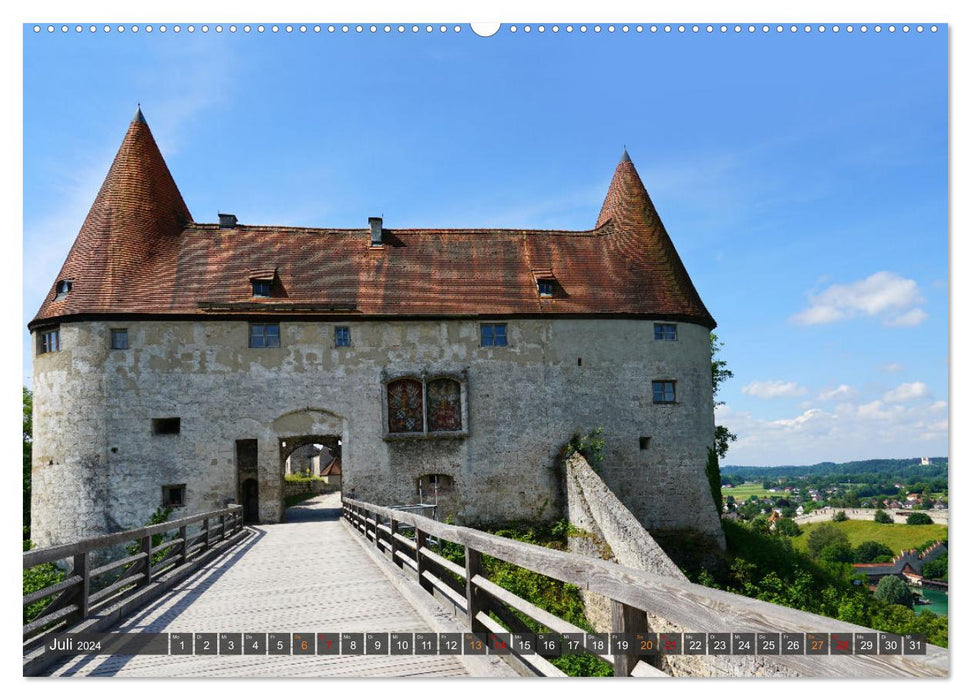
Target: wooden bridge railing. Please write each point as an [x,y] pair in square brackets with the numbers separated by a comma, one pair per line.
[87,589]
[687,606]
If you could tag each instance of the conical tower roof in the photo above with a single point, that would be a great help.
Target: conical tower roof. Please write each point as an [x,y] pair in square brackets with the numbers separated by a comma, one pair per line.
[132,228]
[631,216]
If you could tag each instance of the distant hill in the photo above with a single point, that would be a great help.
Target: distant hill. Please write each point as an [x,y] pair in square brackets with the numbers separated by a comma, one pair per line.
[902,468]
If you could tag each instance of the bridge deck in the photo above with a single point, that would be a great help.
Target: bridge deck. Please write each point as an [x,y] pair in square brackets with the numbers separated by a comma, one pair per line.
[307,575]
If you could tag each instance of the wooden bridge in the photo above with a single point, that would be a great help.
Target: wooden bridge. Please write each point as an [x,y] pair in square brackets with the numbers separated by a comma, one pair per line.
[349,566]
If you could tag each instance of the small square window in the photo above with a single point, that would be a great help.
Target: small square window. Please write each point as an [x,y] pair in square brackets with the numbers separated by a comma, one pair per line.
[166,426]
[264,335]
[261,288]
[663,391]
[493,334]
[119,338]
[63,289]
[173,496]
[665,331]
[645,443]
[49,341]
[545,288]
[342,336]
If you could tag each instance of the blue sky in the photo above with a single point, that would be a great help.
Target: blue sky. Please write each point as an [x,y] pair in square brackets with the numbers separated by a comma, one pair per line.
[802,177]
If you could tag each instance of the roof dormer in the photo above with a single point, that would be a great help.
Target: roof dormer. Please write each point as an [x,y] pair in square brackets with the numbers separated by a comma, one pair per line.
[265,282]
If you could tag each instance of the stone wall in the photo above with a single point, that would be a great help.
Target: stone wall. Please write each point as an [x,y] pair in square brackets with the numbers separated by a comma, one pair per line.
[316,487]
[899,515]
[98,467]
[602,527]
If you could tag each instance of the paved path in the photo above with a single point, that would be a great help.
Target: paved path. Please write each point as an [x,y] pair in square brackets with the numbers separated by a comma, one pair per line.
[307,575]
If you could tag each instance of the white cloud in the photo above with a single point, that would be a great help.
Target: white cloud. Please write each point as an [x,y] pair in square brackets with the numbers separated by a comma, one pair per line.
[907,392]
[848,431]
[892,367]
[773,389]
[914,317]
[843,391]
[892,298]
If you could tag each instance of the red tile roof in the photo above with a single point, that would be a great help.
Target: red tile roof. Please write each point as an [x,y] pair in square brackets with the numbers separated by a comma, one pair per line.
[139,252]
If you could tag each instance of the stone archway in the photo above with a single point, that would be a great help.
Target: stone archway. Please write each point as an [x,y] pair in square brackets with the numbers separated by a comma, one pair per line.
[297,430]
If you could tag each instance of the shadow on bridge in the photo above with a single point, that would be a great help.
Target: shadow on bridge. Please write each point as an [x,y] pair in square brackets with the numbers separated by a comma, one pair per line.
[323,508]
[183,595]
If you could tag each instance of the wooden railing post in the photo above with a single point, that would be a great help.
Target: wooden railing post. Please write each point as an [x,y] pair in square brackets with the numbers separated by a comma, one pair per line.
[377,532]
[222,527]
[205,530]
[184,535]
[625,619]
[394,540]
[421,541]
[82,568]
[147,551]
[473,601]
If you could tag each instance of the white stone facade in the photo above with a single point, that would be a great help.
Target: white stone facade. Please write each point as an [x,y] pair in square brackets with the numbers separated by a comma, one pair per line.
[98,467]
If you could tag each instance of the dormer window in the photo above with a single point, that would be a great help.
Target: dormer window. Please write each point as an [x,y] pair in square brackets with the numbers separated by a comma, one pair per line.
[261,288]
[63,288]
[263,282]
[544,281]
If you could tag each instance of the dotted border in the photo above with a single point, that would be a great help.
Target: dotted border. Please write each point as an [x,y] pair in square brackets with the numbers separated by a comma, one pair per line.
[511,28]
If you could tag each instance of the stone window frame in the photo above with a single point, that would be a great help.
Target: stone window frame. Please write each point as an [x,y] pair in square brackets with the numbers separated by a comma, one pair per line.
[424,377]
[264,335]
[167,489]
[345,336]
[494,325]
[445,484]
[115,335]
[660,331]
[674,392]
[49,341]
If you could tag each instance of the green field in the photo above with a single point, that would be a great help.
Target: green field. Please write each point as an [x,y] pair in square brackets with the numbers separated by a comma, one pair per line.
[745,491]
[895,535]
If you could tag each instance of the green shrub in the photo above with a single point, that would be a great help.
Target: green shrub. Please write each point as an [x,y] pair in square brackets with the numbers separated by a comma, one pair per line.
[882,516]
[591,446]
[840,516]
[919,519]
[36,578]
[936,569]
[894,591]
[787,527]
[823,536]
[871,552]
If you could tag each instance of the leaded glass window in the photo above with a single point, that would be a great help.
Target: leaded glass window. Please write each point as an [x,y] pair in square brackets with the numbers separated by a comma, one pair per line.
[405,406]
[444,405]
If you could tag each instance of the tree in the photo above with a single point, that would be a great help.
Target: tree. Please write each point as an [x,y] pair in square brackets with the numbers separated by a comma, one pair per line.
[839,552]
[28,451]
[894,591]
[936,569]
[919,519]
[823,536]
[719,373]
[840,516]
[787,527]
[870,552]
[882,516]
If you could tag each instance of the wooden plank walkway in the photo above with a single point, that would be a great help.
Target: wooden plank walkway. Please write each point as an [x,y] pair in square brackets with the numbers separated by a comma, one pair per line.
[307,575]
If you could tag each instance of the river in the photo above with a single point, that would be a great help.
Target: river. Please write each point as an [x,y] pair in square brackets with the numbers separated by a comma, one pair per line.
[938,600]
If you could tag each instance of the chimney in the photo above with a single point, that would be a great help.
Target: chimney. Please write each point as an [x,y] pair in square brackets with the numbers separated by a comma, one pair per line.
[227,221]
[376,230]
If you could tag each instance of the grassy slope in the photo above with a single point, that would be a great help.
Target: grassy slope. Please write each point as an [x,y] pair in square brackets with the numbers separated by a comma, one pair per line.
[896,536]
